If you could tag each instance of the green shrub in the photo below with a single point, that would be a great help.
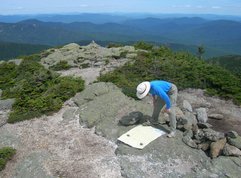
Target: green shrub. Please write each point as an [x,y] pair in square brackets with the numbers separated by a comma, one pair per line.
[143,45]
[37,90]
[85,65]
[6,153]
[183,69]
[61,65]
[2,164]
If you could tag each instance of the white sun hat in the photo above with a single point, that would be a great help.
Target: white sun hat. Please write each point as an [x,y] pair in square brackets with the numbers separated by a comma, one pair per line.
[142,89]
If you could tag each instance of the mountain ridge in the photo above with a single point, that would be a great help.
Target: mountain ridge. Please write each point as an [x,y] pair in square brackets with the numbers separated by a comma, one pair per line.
[224,35]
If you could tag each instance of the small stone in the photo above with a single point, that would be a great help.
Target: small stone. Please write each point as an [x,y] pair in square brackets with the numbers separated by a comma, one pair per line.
[188,133]
[187,106]
[204,146]
[131,119]
[232,134]
[213,135]
[188,141]
[202,115]
[235,141]
[230,150]
[216,116]
[217,147]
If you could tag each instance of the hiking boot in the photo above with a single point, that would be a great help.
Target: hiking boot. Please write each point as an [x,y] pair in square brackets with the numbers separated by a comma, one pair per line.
[171,134]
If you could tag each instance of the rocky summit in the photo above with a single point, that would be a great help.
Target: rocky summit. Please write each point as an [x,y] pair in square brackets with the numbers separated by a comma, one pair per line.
[88,61]
[80,140]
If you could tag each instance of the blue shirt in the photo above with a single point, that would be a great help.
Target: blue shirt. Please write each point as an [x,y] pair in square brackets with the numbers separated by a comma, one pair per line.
[161,88]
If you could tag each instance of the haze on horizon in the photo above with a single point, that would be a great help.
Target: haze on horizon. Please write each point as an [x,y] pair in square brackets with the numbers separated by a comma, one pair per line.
[219,7]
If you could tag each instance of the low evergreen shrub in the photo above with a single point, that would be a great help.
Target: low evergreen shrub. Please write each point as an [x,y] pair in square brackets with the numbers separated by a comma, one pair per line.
[6,153]
[37,91]
[181,68]
[61,65]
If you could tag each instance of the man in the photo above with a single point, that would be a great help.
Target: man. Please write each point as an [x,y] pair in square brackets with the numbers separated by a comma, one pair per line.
[163,92]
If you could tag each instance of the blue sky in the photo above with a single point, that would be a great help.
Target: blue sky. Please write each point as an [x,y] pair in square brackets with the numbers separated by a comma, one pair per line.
[224,7]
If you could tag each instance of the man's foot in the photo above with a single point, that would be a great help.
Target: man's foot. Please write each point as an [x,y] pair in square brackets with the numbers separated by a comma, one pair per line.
[171,134]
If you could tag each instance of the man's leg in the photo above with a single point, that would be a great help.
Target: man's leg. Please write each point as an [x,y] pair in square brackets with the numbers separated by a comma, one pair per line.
[157,109]
[172,114]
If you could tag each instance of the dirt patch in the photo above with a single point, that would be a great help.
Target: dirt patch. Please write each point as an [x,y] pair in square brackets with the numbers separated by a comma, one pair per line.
[226,125]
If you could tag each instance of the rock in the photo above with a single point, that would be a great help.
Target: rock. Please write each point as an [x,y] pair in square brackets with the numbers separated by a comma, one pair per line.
[3,117]
[188,121]
[16,61]
[216,116]
[34,164]
[230,150]
[200,135]
[188,141]
[92,92]
[131,119]
[187,106]
[235,142]
[6,104]
[232,134]
[1,93]
[179,113]
[204,146]
[202,115]
[204,125]
[217,147]
[188,133]
[213,135]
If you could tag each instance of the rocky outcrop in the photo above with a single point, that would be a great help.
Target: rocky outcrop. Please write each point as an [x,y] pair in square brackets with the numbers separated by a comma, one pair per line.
[81,141]
[163,157]
[90,56]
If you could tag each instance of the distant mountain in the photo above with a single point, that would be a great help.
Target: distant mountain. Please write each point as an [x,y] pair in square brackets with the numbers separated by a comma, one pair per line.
[53,33]
[13,50]
[67,18]
[219,37]
[100,18]
[230,62]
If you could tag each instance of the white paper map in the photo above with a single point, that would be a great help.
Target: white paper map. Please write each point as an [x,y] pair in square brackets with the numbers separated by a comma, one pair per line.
[140,136]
